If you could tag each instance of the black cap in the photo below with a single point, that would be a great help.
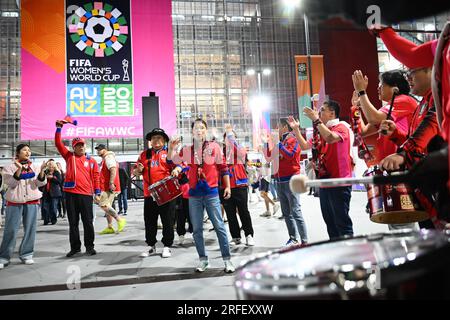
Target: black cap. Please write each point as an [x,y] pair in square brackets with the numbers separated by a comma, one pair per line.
[100,146]
[157,132]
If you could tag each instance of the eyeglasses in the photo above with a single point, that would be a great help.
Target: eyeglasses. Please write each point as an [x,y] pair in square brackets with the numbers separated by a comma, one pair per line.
[411,72]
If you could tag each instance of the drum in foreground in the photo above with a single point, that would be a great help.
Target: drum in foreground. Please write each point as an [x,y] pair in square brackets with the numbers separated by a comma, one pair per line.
[402,264]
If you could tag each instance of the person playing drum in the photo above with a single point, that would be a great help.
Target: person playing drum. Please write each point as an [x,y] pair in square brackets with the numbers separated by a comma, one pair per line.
[414,143]
[394,89]
[153,166]
[207,165]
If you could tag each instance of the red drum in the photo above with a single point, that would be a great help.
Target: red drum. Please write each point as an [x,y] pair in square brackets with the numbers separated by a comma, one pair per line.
[402,264]
[392,203]
[165,190]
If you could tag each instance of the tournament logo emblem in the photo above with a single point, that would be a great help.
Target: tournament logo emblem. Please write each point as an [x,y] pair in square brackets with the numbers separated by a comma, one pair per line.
[101,30]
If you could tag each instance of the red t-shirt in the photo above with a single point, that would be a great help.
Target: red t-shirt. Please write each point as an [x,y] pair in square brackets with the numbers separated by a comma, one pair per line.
[156,167]
[401,114]
[337,155]
[105,174]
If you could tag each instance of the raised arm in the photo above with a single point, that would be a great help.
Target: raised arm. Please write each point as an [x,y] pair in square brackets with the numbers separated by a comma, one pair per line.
[65,153]
[295,125]
[360,83]
[407,52]
[329,136]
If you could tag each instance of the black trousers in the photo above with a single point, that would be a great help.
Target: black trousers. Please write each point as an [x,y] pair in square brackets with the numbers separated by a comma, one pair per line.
[335,205]
[182,216]
[80,205]
[151,213]
[239,201]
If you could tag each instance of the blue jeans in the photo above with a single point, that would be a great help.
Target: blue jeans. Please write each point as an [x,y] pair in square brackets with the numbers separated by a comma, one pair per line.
[3,204]
[335,204]
[123,202]
[50,211]
[212,206]
[272,189]
[14,216]
[292,213]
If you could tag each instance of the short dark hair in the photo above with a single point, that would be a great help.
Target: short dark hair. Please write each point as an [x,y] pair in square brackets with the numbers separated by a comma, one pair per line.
[21,146]
[199,120]
[333,106]
[284,122]
[396,78]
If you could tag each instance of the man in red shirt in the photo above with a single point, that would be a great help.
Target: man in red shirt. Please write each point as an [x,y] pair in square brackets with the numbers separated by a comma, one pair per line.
[285,157]
[110,186]
[82,181]
[336,143]
[152,165]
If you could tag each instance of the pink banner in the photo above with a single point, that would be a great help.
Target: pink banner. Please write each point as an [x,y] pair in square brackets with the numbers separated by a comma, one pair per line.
[49,90]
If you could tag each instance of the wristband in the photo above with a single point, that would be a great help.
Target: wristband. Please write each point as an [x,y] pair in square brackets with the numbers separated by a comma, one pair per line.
[317,122]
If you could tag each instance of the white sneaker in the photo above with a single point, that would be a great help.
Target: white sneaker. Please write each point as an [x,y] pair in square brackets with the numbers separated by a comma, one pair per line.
[250,241]
[202,265]
[166,253]
[145,254]
[229,268]
[266,214]
[181,240]
[28,261]
[276,207]
[235,241]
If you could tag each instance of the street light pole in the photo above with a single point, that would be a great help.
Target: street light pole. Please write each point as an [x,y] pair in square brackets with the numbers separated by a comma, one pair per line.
[308,55]
[259,82]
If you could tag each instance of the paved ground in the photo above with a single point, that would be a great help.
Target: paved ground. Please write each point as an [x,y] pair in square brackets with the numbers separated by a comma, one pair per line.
[117,271]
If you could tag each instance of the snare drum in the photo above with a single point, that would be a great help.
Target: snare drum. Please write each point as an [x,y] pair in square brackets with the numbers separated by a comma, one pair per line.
[402,264]
[392,203]
[165,190]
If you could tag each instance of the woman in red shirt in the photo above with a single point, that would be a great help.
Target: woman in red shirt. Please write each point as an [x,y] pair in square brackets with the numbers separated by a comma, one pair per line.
[207,165]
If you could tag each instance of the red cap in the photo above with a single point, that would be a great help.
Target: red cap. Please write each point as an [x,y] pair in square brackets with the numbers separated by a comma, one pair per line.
[77,140]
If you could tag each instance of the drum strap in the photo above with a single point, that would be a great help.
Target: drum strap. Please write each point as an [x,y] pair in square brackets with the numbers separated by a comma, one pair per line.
[148,156]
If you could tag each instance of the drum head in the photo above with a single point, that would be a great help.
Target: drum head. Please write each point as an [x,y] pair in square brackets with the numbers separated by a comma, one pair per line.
[393,217]
[338,269]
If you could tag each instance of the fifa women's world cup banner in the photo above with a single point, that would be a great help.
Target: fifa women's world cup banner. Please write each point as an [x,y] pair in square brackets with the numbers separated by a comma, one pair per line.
[305,69]
[94,60]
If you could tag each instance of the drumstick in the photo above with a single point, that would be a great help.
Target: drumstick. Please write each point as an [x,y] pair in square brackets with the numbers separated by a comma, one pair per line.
[299,183]
[388,117]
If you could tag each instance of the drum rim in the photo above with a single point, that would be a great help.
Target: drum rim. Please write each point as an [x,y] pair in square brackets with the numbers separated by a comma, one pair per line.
[153,185]
[388,271]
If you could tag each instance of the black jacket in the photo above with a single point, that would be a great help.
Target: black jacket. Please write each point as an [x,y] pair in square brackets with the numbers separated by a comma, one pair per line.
[55,186]
[124,178]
